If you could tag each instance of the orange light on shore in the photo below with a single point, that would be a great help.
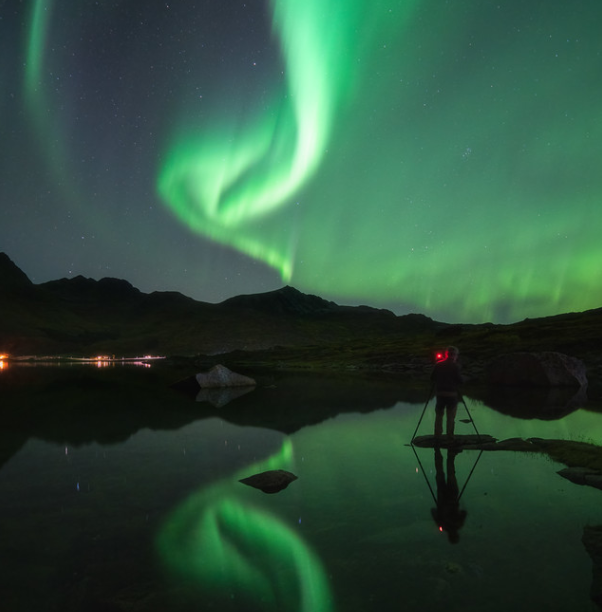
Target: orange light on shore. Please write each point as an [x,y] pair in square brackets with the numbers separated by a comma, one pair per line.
[102,361]
[3,362]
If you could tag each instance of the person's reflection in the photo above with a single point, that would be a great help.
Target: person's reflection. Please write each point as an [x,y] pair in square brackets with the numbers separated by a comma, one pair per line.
[447,514]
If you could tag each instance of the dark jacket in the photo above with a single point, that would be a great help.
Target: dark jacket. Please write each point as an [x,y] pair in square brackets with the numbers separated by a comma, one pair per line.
[446,376]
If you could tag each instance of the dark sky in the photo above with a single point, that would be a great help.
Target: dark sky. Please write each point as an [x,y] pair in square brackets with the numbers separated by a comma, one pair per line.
[434,157]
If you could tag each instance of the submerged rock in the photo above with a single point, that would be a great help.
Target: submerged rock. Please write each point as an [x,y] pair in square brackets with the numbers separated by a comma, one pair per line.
[582,476]
[271,481]
[592,540]
[221,376]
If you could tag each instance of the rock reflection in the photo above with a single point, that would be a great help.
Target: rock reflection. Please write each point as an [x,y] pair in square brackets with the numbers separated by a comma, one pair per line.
[219,397]
[544,403]
[592,540]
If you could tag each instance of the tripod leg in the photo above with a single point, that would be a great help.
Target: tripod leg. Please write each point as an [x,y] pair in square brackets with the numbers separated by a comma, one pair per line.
[471,419]
[421,417]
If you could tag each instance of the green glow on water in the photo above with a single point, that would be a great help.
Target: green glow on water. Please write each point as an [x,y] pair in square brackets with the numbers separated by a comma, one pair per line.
[229,545]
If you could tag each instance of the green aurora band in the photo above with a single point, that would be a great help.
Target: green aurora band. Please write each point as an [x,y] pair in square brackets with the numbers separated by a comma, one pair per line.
[427,157]
[48,125]
[224,183]
[433,161]
[37,97]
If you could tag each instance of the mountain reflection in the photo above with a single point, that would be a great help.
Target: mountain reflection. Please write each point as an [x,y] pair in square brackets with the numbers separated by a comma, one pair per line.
[79,405]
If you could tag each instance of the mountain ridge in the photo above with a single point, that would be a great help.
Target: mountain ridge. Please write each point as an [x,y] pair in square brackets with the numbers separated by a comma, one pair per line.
[276,329]
[83,315]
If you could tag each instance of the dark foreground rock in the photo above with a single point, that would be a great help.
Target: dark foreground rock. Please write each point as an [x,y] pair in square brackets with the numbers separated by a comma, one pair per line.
[271,481]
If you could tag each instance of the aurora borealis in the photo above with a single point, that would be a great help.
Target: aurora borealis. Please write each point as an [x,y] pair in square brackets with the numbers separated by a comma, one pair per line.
[423,156]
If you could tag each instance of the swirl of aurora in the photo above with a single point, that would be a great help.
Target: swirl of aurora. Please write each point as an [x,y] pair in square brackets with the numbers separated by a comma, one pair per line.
[461,191]
[224,180]
[429,157]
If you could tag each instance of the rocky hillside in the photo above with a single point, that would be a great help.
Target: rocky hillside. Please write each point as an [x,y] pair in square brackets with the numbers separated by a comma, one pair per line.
[283,328]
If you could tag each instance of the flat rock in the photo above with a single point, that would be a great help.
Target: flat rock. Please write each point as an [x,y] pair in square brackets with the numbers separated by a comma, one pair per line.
[474,442]
[467,441]
[515,444]
[271,481]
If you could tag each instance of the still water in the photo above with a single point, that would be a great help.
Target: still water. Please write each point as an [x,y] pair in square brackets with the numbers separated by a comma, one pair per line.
[119,494]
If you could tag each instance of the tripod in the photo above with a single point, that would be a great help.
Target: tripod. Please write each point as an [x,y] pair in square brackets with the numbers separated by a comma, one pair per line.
[424,410]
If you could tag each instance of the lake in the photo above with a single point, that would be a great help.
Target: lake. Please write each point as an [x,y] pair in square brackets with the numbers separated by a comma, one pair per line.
[121,494]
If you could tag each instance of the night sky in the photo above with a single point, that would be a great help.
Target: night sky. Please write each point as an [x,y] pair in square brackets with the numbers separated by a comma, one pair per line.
[440,157]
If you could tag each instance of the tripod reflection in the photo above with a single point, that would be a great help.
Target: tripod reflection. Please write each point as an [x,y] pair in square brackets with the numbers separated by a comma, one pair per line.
[447,513]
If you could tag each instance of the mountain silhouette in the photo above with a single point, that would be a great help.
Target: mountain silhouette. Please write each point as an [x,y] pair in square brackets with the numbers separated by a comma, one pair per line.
[82,317]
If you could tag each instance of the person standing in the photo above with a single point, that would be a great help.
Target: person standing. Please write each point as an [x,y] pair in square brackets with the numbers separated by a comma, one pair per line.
[447,379]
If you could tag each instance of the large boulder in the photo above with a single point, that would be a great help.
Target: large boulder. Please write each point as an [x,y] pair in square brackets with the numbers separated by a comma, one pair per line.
[221,376]
[545,369]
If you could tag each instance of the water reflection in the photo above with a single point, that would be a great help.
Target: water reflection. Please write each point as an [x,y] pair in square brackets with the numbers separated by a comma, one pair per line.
[220,396]
[592,540]
[545,403]
[229,545]
[447,513]
[354,532]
